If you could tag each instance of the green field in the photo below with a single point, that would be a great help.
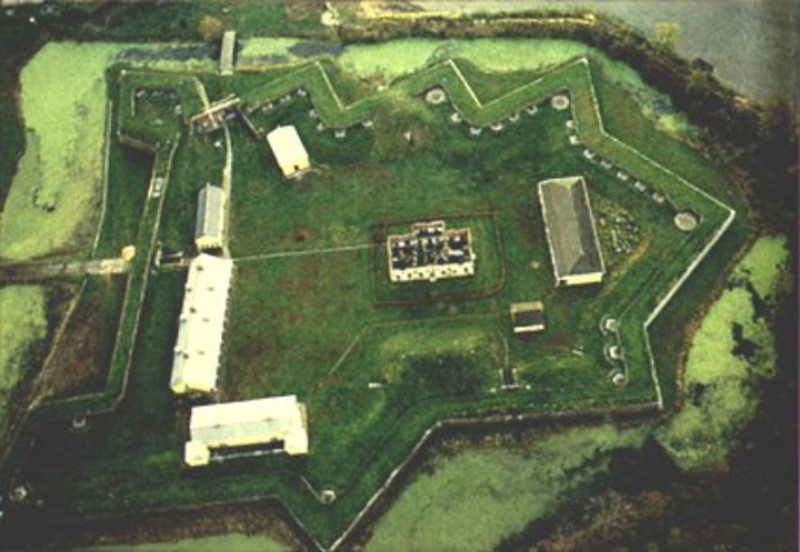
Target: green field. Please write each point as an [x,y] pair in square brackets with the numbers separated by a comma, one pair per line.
[311,312]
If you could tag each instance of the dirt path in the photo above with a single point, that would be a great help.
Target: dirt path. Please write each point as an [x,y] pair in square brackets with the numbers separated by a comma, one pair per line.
[36,271]
[302,252]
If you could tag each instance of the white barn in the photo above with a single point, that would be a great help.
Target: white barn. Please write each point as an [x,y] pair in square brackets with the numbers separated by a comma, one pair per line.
[201,325]
[289,151]
[276,423]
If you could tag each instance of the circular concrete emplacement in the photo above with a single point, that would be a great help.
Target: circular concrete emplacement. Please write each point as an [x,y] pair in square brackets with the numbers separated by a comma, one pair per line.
[435,96]
[560,102]
[686,221]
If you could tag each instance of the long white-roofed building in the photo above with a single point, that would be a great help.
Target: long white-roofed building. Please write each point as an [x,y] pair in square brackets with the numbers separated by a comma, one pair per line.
[289,151]
[275,424]
[201,325]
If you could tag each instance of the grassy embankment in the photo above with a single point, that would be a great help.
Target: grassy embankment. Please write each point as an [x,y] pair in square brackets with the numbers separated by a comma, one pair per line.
[23,323]
[231,542]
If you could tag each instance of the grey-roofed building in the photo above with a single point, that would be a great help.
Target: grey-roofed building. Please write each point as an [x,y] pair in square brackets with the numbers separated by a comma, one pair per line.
[210,224]
[570,229]
[527,317]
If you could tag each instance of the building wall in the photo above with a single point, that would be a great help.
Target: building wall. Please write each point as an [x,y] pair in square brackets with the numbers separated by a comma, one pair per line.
[208,242]
[433,272]
[295,166]
[581,279]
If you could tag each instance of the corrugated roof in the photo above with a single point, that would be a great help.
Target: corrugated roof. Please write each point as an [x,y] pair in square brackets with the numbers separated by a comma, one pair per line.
[201,325]
[210,213]
[570,227]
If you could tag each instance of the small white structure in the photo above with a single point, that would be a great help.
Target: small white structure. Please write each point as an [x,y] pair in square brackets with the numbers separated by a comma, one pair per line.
[226,53]
[560,102]
[686,221]
[201,325]
[288,150]
[209,229]
[214,115]
[435,96]
[275,423]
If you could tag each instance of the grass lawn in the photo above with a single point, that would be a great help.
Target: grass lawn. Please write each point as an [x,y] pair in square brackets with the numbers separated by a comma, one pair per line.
[311,312]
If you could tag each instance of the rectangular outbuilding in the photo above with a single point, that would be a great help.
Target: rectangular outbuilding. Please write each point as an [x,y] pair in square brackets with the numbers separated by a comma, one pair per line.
[571,233]
[227,51]
[201,325]
[209,232]
[527,317]
[289,151]
[275,424]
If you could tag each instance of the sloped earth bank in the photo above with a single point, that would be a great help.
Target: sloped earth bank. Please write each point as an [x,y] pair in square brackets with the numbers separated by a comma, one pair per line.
[232,542]
[258,518]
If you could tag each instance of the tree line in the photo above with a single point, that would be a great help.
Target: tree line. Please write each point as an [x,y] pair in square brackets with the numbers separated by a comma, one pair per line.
[757,144]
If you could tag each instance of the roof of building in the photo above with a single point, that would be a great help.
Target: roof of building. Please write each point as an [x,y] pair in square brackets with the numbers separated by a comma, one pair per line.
[286,145]
[525,315]
[570,227]
[210,212]
[529,318]
[251,422]
[201,325]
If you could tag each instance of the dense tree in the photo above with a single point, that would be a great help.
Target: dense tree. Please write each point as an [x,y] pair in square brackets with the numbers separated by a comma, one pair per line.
[775,165]
[210,28]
